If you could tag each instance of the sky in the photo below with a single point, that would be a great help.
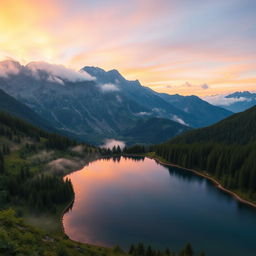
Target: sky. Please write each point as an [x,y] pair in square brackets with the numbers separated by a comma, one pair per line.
[201,47]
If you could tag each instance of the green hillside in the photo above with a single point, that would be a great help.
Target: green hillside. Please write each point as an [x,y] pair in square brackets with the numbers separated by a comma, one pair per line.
[225,151]
[237,129]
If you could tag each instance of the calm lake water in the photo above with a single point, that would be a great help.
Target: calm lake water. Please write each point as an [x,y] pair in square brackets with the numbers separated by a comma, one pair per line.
[128,201]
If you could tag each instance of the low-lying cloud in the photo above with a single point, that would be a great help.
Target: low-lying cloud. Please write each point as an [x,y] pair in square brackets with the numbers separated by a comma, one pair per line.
[109,88]
[143,114]
[221,100]
[110,143]
[55,73]
[62,164]
[58,73]
[179,120]
[9,67]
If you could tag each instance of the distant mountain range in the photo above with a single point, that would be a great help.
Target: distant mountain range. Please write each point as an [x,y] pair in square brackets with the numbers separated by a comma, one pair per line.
[235,102]
[204,114]
[93,105]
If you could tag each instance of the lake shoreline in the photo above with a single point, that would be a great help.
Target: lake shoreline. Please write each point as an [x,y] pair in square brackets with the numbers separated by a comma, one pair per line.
[206,176]
[172,199]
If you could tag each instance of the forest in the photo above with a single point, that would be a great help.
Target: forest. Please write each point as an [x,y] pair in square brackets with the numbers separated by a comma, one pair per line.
[226,151]
[21,184]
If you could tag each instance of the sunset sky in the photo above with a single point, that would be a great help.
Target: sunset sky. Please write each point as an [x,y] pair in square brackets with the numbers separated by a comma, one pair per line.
[200,47]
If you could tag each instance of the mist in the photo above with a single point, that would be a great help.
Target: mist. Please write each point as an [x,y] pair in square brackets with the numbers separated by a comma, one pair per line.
[58,73]
[110,143]
[221,100]
[109,88]
[9,67]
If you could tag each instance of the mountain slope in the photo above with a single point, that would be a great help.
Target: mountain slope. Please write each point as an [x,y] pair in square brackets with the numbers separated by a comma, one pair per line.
[239,128]
[235,102]
[142,95]
[225,151]
[14,107]
[81,108]
[245,100]
[178,108]
[202,111]
[153,130]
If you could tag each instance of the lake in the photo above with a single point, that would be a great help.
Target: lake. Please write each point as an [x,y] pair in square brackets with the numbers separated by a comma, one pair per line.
[129,200]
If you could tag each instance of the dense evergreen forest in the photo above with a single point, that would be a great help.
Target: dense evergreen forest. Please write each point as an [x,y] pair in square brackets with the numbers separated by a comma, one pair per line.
[226,151]
[21,184]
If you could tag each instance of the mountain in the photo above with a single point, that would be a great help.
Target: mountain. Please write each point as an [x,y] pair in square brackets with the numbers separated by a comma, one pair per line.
[154,105]
[235,102]
[203,112]
[182,109]
[225,151]
[153,130]
[93,105]
[14,107]
[244,101]
[80,107]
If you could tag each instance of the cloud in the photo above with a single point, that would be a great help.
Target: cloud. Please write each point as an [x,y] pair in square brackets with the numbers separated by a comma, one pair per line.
[143,113]
[110,143]
[205,86]
[71,32]
[187,84]
[179,120]
[156,110]
[58,73]
[202,86]
[63,164]
[108,88]
[9,67]
[221,100]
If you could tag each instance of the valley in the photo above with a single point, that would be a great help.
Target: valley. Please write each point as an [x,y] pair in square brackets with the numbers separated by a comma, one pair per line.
[127,128]
[38,150]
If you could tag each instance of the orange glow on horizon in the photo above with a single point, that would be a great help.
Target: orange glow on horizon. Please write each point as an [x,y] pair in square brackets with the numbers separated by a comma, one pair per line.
[129,37]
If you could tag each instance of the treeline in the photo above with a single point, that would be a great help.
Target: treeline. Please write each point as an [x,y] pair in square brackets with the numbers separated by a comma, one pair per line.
[47,191]
[4,150]
[136,149]
[39,192]
[21,185]
[140,250]
[237,129]
[11,126]
[233,165]
[15,129]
